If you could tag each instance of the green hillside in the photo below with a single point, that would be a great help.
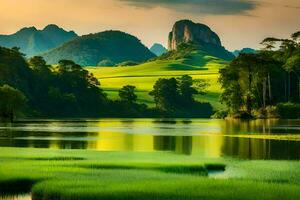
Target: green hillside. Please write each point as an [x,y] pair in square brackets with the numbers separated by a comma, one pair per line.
[106,48]
[195,63]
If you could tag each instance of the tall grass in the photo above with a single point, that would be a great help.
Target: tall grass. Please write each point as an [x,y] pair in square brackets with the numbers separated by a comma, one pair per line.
[79,174]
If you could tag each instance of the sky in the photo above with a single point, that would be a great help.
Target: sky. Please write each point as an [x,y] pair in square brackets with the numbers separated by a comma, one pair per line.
[239,23]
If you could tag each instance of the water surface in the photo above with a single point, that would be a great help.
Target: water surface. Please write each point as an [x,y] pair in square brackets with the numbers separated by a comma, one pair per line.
[259,139]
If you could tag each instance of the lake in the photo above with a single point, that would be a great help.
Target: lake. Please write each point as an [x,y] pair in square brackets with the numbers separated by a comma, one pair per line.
[258,139]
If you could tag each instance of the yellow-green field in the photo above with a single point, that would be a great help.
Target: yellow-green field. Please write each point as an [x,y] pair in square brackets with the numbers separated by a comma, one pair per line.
[143,76]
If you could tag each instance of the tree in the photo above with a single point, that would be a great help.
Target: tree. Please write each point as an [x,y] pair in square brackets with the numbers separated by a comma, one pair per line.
[174,96]
[296,36]
[165,93]
[269,43]
[232,93]
[293,65]
[256,81]
[11,102]
[37,63]
[186,89]
[127,94]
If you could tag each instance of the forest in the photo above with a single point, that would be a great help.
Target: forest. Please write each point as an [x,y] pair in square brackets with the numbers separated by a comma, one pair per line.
[265,84]
[32,88]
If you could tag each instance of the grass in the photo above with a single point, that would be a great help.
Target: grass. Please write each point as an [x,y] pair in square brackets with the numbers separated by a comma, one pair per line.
[198,65]
[80,174]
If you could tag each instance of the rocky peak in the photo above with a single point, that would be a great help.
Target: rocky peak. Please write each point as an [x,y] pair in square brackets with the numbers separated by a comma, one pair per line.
[188,31]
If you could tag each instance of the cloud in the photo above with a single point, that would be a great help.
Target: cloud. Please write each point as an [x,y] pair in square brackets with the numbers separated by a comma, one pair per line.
[207,7]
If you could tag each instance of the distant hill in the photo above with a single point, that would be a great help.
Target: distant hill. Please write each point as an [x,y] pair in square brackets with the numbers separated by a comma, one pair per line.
[111,47]
[186,31]
[32,41]
[158,49]
[244,50]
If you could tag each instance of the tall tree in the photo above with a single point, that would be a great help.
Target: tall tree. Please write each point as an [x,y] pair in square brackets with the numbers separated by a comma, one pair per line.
[165,93]
[11,102]
[127,94]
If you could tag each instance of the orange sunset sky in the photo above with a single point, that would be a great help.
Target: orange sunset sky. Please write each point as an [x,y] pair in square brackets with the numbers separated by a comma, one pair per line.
[239,23]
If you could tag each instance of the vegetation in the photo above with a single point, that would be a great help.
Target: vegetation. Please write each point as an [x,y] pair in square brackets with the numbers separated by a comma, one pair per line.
[127,63]
[185,61]
[108,48]
[11,102]
[77,174]
[177,96]
[253,83]
[68,90]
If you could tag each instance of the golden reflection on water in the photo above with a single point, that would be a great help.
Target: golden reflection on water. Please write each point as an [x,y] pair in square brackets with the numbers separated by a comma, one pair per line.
[259,139]
[122,142]
[17,197]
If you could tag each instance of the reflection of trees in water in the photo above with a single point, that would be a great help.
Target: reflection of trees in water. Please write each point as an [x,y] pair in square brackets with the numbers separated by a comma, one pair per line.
[33,139]
[250,148]
[247,148]
[177,144]
[236,126]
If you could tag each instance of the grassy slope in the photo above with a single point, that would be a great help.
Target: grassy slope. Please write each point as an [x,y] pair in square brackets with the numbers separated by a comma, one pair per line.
[79,174]
[198,65]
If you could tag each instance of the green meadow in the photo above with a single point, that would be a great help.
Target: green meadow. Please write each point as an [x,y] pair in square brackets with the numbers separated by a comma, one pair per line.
[143,76]
[84,174]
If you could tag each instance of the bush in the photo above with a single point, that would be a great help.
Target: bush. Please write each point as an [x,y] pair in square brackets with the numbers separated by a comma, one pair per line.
[288,110]
[106,63]
[127,63]
[272,112]
[220,114]
[242,115]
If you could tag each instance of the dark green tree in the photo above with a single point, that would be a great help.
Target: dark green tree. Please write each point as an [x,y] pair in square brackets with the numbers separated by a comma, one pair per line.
[37,63]
[186,89]
[127,94]
[166,93]
[11,102]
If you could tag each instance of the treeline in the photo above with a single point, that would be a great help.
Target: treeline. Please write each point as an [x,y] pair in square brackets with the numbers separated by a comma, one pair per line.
[266,83]
[67,90]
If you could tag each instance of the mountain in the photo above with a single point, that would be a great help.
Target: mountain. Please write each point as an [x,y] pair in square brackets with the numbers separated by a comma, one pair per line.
[186,31]
[244,50]
[111,47]
[158,49]
[32,41]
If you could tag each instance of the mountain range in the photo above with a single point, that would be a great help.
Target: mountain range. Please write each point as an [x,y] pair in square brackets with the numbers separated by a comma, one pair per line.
[32,41]
[111,48]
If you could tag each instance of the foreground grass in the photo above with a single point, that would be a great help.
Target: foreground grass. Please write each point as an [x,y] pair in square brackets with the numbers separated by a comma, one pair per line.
[145,75]
[79,174]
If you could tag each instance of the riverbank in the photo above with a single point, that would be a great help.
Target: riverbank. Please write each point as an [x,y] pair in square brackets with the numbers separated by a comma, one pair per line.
[84,174]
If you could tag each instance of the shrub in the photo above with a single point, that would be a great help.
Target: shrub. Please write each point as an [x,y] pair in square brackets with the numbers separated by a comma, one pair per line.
[220,114]
[288,110]
[106,63]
